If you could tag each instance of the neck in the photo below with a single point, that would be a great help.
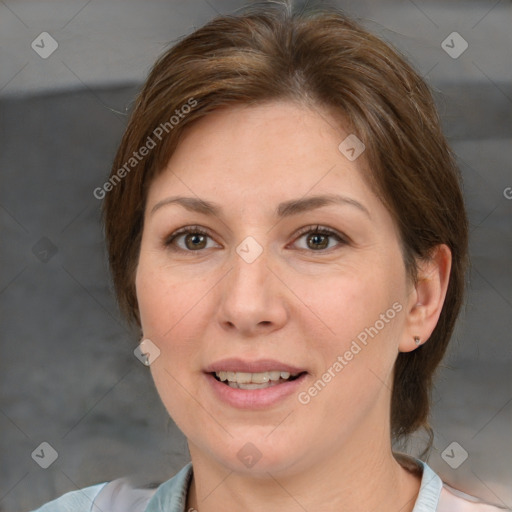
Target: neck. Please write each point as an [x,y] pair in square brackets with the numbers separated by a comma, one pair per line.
[346,480]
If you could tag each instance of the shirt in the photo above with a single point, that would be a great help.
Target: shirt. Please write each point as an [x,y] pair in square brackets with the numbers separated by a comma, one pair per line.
[171,496]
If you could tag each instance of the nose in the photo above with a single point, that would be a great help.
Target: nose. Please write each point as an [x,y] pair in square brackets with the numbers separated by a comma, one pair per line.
[253,299]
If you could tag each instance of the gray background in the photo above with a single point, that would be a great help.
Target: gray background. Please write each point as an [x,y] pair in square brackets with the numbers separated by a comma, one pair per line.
[68,374]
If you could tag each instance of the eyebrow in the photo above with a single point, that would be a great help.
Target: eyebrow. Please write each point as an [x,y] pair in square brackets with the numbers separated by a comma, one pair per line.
[284,209]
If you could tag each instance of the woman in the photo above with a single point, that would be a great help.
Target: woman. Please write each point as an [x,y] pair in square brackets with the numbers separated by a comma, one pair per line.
[285,224]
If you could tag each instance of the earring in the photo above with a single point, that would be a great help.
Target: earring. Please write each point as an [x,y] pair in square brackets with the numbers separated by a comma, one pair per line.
[417,340]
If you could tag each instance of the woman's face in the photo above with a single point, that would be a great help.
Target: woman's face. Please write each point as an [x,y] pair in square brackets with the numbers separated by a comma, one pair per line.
[261,293]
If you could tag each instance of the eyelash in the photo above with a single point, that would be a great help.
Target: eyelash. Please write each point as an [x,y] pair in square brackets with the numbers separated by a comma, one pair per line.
[169,241]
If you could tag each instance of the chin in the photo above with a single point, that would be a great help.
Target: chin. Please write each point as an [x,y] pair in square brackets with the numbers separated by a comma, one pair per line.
[257,456]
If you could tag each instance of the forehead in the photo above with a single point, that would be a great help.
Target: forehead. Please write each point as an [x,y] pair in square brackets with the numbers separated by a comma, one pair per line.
[274,151]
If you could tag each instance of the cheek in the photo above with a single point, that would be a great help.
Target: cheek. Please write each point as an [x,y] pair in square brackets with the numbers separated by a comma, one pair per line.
[175,313]
[164,297]
[363,310]
[150,295]
[168,310]
[348,303]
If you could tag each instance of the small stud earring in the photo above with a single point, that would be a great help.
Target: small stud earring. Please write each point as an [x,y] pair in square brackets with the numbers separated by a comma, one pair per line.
[417,340]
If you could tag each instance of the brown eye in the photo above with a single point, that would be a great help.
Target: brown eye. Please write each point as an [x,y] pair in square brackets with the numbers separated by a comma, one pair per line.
[191,239]
[195,241]
[319,239]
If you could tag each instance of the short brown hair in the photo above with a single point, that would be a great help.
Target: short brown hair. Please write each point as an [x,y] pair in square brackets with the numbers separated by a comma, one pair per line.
[316,57]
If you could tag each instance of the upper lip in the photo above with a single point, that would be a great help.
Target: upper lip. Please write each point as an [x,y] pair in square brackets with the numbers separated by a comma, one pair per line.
[257,366]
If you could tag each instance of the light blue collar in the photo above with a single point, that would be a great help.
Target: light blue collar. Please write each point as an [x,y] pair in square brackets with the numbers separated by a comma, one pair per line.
[430,490]
[171,496]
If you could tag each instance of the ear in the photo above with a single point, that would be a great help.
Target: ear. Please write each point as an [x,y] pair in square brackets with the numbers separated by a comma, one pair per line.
[426,298]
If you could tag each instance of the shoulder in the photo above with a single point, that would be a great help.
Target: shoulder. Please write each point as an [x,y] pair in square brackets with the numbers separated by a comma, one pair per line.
[117,495]
[75,501]
[436,495]
[122,495]
[453,500]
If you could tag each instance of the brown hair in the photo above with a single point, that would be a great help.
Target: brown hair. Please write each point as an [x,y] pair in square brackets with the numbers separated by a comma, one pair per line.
[319,58]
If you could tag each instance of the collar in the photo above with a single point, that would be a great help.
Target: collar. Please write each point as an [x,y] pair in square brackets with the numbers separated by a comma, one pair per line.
[171,496]
[430,485]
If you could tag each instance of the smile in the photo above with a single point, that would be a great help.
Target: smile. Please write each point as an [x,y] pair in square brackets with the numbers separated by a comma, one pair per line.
[261,380]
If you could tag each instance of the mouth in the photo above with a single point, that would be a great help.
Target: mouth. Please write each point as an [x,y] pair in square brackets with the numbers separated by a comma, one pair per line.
[260,380]
[254,384]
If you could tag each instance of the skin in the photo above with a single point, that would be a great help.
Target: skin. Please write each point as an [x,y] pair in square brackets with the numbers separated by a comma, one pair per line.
[298,302]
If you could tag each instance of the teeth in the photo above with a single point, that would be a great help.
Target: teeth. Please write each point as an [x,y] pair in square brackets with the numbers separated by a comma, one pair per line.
[244,378]
[260,378]
[236,385]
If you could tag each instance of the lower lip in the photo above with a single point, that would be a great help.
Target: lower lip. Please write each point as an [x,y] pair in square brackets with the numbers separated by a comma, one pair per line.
[254,398]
